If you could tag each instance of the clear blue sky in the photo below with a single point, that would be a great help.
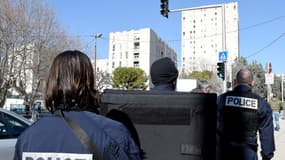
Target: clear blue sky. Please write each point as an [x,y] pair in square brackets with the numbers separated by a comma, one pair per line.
[261,22]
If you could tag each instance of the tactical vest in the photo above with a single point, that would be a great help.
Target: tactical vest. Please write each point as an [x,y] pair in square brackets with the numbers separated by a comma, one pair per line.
[240,115]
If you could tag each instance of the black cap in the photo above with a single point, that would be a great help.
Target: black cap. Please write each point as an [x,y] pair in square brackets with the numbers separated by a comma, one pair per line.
[163,71]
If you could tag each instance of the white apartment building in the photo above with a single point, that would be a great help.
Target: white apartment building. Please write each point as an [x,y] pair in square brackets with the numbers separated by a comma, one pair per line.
[206,31]
[137,48]
[101,65]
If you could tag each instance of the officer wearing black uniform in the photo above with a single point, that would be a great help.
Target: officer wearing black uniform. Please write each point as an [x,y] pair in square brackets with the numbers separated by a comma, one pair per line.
[241,114]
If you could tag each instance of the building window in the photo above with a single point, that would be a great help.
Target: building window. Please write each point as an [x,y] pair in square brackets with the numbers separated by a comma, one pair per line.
[113,64]
[114,47]
[136,45]
[136,38]
[136,55]
[127,55]
[113,55]
[161,54]
[120,64]
[136,64]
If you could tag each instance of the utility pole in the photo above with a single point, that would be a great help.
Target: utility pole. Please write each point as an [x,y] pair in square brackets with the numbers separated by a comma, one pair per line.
[282,85]
[95,50]
[269,80]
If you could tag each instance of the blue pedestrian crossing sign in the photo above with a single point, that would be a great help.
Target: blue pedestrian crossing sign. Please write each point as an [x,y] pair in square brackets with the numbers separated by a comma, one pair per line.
[223,56]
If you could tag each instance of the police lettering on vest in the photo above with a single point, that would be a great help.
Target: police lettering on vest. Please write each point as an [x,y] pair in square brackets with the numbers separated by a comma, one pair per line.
[55,156]
[243,102]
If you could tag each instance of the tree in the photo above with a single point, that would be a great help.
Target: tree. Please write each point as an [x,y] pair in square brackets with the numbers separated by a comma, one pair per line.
[257,70]
[103,80]
[129,78]
[200,76]
[259,78]
[277,86]
[29,39]
[239,63]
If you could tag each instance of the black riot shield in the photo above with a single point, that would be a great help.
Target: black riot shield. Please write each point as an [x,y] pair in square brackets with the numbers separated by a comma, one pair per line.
[170,125]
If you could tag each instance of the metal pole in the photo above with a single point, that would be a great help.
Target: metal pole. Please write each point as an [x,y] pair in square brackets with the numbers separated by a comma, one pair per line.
[282,94]
[230,75]
[95,61]
[193,8]
[225,80]
[224,46]
[95,54]
[269,92]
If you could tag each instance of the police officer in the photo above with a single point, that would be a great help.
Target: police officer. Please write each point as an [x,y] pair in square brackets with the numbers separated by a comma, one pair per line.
[164,74]
[70,91]
[241,113]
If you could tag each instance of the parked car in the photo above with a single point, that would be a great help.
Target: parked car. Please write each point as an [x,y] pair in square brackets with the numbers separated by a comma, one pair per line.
[11,126]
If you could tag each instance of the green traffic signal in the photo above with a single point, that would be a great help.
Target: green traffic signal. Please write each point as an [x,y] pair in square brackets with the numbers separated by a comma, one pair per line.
[221,70]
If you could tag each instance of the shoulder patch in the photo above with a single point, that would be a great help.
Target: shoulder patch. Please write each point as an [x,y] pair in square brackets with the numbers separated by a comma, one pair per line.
[243,102]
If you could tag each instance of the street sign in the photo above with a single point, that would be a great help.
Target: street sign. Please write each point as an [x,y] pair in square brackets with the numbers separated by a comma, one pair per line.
[223,56]
[269,78]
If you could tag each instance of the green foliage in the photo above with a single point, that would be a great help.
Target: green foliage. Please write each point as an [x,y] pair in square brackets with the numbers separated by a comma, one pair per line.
[240,63]
[200,76]
[276,86]
[259,78]
[129,78]
[258,72]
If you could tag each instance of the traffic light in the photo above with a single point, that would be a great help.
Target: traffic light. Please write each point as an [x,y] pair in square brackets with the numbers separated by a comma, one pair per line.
[164,8]
[221,70]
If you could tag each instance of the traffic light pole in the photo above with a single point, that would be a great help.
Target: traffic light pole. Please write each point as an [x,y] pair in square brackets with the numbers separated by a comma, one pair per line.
[193,8]
[222,73]
[225,79]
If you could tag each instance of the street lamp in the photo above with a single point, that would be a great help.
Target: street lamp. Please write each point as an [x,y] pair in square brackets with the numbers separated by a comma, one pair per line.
[95,46]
